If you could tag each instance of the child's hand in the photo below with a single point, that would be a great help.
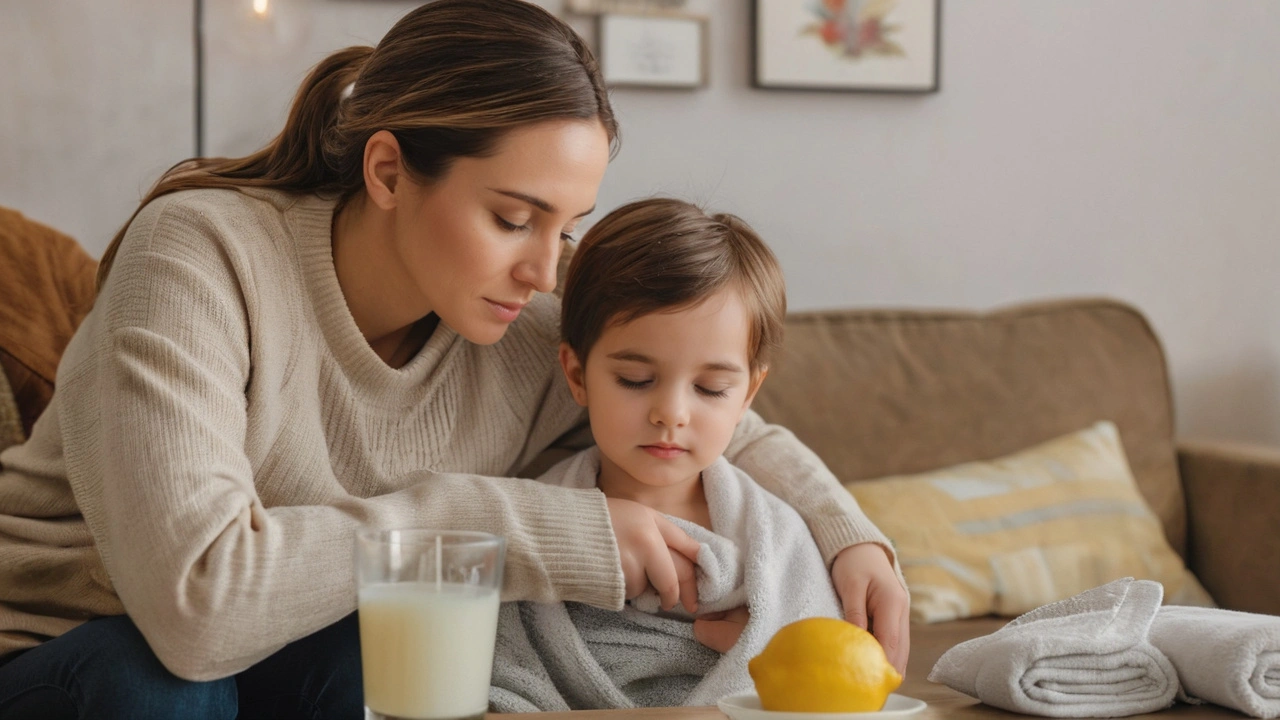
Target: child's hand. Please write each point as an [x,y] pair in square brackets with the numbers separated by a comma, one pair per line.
[874,599]
[654,552]
[720,630]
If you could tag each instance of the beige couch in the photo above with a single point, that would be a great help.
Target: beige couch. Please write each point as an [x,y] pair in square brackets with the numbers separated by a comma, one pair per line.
[877,393]
[882,392]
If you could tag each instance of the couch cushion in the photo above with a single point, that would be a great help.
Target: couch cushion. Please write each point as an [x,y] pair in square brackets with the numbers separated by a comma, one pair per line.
[48,283]
[892,392]
[1009,535]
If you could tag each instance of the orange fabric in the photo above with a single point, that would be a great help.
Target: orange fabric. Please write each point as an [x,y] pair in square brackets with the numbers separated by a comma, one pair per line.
[46,289]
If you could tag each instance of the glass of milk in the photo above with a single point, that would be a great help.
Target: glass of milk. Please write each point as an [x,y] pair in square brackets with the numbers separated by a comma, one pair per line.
[428,610]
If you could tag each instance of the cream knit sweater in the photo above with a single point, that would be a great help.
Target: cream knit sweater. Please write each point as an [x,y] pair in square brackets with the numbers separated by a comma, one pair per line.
[221,428]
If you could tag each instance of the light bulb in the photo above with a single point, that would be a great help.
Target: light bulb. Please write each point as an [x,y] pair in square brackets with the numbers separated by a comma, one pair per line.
[260,7]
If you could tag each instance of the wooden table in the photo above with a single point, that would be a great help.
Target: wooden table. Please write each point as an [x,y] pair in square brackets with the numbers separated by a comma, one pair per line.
[944,704]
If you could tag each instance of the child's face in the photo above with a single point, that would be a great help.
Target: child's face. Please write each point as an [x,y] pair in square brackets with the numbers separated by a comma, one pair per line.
[665,391]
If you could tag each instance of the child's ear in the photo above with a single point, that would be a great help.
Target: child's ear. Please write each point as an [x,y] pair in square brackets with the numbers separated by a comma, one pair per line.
[574,373]
[757,379]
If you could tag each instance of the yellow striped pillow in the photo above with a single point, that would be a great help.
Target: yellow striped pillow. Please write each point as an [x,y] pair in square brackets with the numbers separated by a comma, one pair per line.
[1009,535]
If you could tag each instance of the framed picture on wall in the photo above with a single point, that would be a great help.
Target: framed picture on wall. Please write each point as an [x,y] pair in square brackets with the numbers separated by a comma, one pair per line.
[595,7]
[664,51]
[859,45]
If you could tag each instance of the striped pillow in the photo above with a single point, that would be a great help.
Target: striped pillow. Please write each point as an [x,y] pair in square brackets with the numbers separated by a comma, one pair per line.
[1009,535]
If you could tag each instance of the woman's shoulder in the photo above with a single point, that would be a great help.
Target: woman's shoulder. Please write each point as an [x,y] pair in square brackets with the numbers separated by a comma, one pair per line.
[214,207]
[224,238]
[209,222]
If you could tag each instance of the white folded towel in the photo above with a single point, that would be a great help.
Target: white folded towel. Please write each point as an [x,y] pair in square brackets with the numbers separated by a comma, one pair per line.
[1086,656]
[1222,656]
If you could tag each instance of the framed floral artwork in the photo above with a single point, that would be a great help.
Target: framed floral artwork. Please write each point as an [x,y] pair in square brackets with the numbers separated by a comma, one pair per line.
[860,45]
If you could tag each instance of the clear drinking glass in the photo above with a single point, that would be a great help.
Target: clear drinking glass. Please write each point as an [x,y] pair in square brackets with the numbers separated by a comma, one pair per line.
[428,609]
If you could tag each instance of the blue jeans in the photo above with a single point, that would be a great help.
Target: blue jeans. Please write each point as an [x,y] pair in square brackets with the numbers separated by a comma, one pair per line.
[105,669]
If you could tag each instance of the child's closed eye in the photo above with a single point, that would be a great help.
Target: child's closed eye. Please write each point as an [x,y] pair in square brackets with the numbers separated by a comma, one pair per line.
[633,384]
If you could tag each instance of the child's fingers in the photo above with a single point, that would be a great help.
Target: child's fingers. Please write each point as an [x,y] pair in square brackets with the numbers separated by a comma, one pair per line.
[720,631]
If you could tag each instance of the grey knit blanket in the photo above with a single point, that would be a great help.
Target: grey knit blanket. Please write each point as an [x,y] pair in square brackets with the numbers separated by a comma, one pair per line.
[569,656]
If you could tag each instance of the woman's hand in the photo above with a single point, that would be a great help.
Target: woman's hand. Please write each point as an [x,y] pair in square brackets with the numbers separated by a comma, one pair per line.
[720,630]
[654,552]
[873,599]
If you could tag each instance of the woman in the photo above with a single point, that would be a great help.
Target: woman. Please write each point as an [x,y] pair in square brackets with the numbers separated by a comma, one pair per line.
[350,327]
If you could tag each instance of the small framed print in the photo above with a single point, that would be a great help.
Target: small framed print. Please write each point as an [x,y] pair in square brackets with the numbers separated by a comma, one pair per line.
[662,51]
[858,45]
[595,7]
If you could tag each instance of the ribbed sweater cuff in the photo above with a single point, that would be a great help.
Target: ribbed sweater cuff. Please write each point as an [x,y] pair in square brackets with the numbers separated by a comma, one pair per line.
[834,534]
[578,550]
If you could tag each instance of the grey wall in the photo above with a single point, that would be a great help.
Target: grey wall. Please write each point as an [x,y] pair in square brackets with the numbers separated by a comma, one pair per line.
[1083,147]
[96,101]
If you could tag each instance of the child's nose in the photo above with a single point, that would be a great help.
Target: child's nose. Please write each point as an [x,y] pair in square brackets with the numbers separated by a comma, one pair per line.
[670,410]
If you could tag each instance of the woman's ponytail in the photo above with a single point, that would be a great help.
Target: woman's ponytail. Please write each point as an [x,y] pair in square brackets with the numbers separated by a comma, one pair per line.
[300,159]
[449,80]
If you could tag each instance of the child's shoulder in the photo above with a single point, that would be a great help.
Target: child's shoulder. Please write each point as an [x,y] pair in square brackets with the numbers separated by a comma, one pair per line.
[725,482]
[579,470]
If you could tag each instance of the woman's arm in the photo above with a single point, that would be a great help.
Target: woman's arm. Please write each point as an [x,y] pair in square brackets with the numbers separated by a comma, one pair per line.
[863,564]
[155,422]
[785,467]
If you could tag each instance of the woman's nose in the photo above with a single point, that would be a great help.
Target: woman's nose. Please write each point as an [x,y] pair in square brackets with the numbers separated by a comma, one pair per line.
[538,268]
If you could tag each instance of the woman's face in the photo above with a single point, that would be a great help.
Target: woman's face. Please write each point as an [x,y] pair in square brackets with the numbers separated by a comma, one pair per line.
[479,242]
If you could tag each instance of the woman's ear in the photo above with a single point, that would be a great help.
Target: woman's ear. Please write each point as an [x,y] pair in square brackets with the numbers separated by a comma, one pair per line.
[574,372]
[382,168]
[757,379]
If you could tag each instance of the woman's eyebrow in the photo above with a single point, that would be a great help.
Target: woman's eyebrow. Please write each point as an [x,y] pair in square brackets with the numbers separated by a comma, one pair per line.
[539,203]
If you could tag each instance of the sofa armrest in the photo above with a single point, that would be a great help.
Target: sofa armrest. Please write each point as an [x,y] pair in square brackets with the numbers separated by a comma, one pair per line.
[1233,501]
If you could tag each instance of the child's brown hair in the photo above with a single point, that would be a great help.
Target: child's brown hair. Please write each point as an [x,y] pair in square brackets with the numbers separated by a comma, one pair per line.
[663,254]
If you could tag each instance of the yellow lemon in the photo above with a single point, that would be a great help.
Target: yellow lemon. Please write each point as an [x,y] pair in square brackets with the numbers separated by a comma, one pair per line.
[823,665]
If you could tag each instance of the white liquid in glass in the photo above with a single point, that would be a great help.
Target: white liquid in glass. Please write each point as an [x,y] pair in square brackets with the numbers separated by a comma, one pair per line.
[427,652]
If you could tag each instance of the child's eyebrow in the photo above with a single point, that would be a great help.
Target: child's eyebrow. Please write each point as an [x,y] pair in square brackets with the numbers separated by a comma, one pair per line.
[723,367]
[633,356]
[630,356]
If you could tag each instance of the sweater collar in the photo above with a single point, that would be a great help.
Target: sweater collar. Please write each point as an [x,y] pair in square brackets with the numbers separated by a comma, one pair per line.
[311,219]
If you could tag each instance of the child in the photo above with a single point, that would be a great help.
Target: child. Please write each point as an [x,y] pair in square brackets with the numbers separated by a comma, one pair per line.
[668,318]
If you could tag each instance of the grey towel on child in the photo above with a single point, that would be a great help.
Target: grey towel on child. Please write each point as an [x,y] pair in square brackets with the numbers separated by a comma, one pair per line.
[569,656]
[1086,656]
[1225,657]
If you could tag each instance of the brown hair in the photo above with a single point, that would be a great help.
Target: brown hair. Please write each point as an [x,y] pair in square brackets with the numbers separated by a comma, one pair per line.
[448,80]
[663,254]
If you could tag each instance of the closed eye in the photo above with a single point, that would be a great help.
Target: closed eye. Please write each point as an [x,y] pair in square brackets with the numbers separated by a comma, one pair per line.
[708,392]
[509,226]
[633,384]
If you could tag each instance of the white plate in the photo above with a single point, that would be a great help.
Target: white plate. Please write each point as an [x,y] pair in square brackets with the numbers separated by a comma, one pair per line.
[746,706]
